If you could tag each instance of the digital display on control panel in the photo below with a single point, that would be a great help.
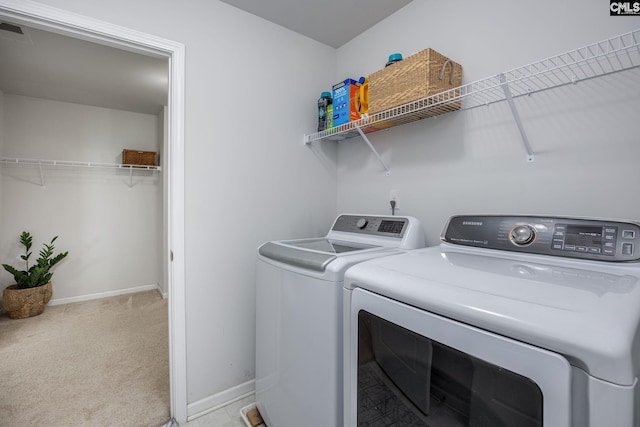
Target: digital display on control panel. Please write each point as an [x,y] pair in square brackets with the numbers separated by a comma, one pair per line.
[390,227]
[583,238]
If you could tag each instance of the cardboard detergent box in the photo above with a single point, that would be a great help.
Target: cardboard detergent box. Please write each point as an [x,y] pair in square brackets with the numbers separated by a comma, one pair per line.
[345,102]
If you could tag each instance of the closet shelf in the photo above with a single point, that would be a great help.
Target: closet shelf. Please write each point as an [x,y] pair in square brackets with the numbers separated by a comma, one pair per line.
[70,163]
[598,59]
[74,164]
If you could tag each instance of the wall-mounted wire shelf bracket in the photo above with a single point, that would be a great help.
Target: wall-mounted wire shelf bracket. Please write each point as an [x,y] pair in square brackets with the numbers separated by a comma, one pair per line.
[516,116]
[375,152]
[606,57]
[66,163]
[354,129]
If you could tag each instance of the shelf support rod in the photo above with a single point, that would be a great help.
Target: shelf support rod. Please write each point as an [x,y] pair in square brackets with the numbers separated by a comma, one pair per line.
[41,175]
[516,116]
[364,137]
[130,177]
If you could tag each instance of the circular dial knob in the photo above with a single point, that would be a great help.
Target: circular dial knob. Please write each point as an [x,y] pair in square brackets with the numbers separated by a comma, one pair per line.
[522,235]
[362,223]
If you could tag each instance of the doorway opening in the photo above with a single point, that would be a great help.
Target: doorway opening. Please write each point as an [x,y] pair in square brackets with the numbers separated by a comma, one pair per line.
[72,25]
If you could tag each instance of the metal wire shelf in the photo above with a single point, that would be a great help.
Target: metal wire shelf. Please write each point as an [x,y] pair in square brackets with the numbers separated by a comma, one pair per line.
[75,164]
[608,56]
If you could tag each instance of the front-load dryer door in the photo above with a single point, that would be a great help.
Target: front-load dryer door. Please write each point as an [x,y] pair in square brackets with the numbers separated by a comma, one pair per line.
[432,370]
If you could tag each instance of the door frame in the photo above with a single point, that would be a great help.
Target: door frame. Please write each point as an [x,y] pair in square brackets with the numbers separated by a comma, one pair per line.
[73,25]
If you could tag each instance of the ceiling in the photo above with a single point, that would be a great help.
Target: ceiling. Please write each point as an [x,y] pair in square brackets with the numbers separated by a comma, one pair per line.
[332,22]
[47,65]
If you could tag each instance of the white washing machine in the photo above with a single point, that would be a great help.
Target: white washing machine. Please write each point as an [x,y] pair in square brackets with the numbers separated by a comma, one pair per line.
[513,321]
[299,315]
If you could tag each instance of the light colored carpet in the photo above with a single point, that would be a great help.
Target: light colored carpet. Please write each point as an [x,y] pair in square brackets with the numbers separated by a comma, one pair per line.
[95,363]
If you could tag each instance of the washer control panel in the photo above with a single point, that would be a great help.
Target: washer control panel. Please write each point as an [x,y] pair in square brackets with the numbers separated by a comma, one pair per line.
[375,225]
[566,237]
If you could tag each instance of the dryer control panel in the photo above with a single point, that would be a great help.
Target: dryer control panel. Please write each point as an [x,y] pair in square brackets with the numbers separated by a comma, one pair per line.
[567,237]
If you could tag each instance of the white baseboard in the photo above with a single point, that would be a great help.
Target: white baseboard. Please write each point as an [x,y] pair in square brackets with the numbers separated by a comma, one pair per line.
[218,400]
[155,286]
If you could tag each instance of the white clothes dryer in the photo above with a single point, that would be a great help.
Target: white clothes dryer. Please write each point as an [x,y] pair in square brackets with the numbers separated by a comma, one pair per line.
[513,321]
[299,315]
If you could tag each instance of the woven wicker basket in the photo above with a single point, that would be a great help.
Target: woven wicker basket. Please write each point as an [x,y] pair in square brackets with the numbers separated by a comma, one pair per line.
[23,303]
[418,76]
[140,158]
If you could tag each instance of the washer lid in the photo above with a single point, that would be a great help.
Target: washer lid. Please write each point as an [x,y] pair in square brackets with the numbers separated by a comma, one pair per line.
[587,311]
[327,245]
[311,254]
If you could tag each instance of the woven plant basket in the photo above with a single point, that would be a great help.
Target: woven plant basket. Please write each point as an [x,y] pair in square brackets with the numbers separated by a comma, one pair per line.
[418,76]
[23,303]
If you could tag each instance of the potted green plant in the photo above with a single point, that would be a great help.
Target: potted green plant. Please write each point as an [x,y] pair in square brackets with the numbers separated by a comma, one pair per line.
[32,290]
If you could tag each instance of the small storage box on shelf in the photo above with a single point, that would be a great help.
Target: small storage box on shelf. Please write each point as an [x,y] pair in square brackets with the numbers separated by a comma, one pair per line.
[421,75]
[139,158]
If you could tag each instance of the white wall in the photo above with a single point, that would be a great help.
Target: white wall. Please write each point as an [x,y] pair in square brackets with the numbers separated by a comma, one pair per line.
[584,136]
[112,231]
[251,89]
